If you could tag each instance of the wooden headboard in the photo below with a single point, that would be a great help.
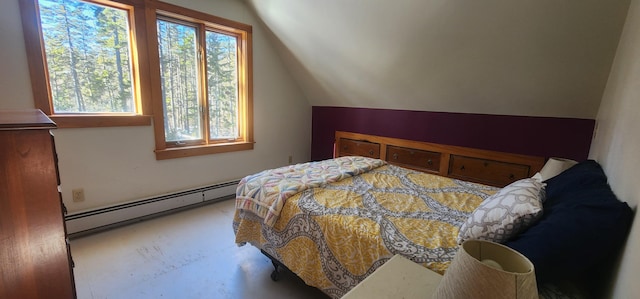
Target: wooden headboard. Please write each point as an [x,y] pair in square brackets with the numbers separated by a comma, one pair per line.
[469,164]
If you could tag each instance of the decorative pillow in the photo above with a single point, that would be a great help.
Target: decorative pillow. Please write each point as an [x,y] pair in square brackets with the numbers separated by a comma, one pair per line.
[506,213]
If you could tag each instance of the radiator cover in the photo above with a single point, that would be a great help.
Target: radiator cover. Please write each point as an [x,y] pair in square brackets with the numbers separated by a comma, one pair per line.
[91,221]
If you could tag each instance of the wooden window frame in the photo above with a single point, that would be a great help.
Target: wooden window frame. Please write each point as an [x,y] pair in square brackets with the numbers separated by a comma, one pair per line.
[36,57]
[146,73]
[165,150]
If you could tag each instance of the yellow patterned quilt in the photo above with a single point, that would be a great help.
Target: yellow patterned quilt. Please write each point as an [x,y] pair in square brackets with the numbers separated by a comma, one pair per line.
[336,235]
[265,193]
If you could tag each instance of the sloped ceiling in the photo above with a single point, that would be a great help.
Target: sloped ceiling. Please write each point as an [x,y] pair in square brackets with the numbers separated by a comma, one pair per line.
[524,57]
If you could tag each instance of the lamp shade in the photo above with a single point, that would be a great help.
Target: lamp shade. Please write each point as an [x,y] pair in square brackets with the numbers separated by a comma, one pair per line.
[555,166]
[484,269]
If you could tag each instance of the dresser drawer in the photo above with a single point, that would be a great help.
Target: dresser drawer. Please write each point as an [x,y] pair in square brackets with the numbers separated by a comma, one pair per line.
[486,171]
[413,158]
[350,147]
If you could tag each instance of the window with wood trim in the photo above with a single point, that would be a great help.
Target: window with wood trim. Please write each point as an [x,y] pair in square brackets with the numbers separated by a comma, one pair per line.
[122,62]
[205,83]
[84,61]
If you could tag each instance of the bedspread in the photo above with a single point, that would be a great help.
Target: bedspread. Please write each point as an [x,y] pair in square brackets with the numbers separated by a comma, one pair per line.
[334,236]
[265,193]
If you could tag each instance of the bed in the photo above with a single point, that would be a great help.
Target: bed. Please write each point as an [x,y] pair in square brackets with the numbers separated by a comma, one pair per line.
[407,197]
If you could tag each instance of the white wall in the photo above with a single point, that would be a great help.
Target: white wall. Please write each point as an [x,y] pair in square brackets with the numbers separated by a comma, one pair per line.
[15,86]
[525,57]
[118,164]
[617,144]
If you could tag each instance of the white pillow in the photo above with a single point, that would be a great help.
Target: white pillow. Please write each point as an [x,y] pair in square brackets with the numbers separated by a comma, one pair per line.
[506,213]
[554,167]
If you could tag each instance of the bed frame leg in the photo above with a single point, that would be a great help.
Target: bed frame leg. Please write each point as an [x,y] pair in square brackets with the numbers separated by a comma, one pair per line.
[275,275]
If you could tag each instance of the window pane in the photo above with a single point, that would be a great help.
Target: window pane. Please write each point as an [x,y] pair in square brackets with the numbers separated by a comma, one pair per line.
[88,57]
[222,89]
[179,78]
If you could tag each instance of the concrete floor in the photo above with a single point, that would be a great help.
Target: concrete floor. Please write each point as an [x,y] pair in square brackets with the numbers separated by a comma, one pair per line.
[190,254]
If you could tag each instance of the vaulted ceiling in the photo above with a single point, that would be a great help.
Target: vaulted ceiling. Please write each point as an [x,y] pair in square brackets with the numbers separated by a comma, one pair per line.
[525,57]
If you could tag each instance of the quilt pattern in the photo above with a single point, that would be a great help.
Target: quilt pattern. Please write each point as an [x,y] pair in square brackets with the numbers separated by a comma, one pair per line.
[336,235]
[265,193]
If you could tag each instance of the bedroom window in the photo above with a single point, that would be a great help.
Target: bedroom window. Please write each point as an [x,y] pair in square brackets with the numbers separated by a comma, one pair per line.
[205,83]
[84,62]
[125,62]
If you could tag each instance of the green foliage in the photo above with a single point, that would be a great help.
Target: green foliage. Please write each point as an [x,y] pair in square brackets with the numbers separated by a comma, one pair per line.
[89,63]
[222,85]
[180,77]
[88,56]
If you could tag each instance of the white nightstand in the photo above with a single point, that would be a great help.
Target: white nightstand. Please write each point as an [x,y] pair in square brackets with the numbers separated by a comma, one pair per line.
[397,278]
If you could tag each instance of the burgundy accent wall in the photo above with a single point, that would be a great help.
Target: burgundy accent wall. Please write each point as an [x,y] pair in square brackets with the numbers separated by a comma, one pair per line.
[538,136]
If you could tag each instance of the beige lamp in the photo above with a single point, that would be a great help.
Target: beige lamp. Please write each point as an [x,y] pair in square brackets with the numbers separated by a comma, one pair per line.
[555,166]
[484,269]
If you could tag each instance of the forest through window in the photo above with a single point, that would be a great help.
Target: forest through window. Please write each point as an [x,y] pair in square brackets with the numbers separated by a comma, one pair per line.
[88,52]
[102,63]
[187,104]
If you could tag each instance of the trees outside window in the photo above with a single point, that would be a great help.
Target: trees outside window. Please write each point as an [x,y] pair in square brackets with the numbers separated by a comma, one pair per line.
[181,99]
[187,104]
[88,53]
[205,83]
[87,61]
[123,62]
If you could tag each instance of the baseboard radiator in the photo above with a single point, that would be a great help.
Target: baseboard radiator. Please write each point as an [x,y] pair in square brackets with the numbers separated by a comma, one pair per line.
[92,221]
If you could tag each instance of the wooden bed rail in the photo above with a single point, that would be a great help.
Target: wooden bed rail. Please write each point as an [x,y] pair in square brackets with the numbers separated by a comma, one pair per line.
[470,164]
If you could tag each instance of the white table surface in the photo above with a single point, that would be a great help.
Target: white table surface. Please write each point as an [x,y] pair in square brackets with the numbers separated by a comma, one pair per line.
[398,278]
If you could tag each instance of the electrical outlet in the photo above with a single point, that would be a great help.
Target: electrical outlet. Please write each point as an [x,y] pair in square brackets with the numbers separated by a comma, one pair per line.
[78,194]
[290,159]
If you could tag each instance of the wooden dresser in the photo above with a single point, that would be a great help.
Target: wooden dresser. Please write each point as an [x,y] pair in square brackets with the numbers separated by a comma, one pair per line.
[35,260]
[469,164]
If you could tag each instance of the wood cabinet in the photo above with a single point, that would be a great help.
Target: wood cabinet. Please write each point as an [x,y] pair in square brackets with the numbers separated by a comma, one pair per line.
[469,164]
[34,253]
[350,147]
[487,171]
[421,160]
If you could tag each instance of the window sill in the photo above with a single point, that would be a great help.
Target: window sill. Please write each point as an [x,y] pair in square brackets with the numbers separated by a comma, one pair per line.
[190,151]
[90,121]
